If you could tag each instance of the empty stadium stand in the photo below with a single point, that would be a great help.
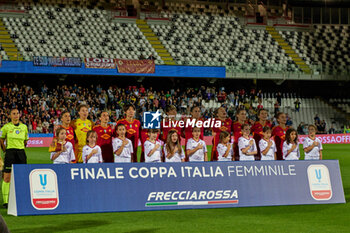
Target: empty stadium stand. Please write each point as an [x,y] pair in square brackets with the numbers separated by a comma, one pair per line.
[71,31]
[191,34]
[327,45]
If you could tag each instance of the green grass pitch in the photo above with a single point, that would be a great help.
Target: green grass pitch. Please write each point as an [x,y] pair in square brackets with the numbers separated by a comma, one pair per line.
[302,218]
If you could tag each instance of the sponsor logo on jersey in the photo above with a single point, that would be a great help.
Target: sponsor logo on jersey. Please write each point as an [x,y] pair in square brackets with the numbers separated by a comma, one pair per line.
[69,136]
[85,130]
[105,136]
[131,131]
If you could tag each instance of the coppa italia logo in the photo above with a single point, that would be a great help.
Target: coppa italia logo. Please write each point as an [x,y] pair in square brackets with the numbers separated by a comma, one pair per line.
[188,198]
[43,189]
[319,182]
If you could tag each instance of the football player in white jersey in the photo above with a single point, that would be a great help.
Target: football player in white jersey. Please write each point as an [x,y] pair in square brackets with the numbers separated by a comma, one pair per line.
[91,152]
[312,145]
[267,145]
[290,148]
[62,151]
[122,146]
[152,147]
[173,152]
[225,148]
[196,147]
[246,145]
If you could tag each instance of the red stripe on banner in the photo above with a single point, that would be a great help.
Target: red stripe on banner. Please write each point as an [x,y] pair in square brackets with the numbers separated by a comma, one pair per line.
[45,203]
[223,202]
[322,194]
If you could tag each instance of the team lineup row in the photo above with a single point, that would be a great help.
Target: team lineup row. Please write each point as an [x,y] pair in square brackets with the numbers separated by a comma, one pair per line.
[231,141]
[80,141]
[196,150]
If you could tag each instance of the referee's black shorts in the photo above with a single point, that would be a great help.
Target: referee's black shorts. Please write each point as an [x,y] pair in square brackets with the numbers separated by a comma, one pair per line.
[14,156]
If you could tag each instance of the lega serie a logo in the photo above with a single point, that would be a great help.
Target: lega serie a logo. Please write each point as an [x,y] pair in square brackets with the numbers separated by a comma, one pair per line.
[44,189]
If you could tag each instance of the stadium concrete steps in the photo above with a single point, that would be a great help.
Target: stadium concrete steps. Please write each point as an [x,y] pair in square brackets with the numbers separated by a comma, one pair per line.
[335,108]
[155,42]
[288,50]
[8,44]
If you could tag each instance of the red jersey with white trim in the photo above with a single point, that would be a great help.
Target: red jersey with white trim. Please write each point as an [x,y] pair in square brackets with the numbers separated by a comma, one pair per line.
[104,140]
[226,125]
[237,130]
[257,129]
[279,134]
[143,138]
[133,133]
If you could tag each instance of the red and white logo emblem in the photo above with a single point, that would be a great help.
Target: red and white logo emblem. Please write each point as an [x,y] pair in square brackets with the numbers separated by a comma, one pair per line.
[319,182]
[43,189]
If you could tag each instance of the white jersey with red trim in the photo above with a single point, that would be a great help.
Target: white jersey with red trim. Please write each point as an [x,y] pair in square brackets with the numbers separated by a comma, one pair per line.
[96,158]
[294,155]
[314,154]
[199,154]
[156,156]
[177,157]
[222,150]
[65,156]
[244,143]
[270,155]
[125,156]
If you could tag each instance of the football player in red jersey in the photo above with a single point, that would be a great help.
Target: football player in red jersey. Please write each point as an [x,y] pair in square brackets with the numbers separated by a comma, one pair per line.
[170,123]
[70,134]
[226,125]
[104,137]
[257,128]
[133,127]
[279,133]
[241,116]
[143,138]
[187,131]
